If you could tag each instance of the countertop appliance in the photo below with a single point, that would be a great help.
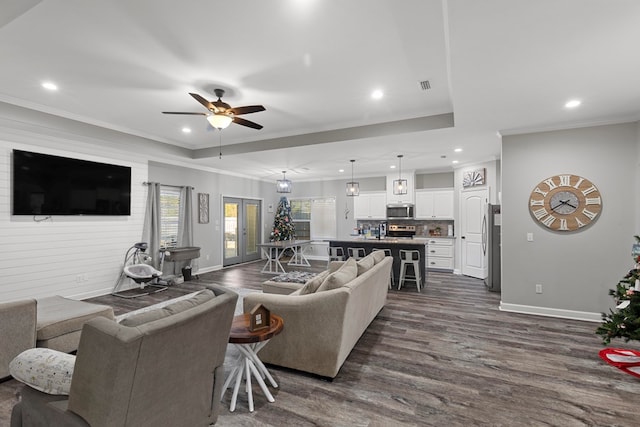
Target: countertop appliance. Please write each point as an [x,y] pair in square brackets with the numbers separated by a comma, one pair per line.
[400,211]
[401,230]
[491,246]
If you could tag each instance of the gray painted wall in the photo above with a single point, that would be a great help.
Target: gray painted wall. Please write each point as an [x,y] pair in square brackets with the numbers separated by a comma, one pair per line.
[576,269]
[209,236]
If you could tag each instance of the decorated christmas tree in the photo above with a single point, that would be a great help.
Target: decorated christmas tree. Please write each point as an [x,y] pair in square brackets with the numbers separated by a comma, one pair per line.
[283,228]
[624,320]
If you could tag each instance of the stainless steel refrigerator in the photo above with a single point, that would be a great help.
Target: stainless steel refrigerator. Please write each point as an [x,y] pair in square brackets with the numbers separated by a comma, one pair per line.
[491,246]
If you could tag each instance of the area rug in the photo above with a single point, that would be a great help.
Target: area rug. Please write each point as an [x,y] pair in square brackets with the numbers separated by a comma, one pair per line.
[628,361]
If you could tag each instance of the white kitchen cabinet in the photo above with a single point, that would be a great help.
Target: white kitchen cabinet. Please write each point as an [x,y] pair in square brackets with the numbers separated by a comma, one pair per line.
[440,254]
[371,205]
[434,204]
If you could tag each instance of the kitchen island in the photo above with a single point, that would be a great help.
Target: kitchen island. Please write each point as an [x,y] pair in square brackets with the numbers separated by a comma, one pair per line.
[395,245]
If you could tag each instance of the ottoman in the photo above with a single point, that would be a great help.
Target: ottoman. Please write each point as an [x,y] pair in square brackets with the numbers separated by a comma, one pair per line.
[286,283]
[59,321]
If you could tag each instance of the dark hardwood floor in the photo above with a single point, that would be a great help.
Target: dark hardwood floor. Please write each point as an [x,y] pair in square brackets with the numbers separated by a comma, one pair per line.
[444,357]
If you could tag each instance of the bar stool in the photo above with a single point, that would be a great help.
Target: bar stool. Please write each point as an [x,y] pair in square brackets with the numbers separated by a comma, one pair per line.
[356,253]
[410,258]
[392,277]
[336,253]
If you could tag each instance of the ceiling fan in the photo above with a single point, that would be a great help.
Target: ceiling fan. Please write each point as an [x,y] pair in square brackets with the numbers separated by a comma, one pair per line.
[222,114]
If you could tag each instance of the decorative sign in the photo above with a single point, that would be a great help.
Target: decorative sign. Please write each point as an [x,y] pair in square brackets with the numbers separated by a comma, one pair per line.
[203,208]
[473,178]
[259,318]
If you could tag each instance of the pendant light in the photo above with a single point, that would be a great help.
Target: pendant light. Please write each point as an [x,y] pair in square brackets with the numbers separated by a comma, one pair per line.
[400,185]
[283,185]
[353,188]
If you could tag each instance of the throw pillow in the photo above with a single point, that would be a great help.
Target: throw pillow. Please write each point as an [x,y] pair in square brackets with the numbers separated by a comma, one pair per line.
[378,256]
[49,371]
[312,285]
[365,264]
[346,273]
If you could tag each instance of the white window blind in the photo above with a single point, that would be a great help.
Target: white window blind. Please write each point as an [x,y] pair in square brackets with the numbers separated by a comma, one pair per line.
[323,218]
[319,213]
[169,215]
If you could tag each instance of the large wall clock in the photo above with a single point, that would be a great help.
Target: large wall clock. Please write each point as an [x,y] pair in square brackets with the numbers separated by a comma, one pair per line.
[565,202]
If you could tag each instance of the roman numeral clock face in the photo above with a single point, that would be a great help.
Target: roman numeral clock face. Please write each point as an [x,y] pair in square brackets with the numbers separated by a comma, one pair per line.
[565,202]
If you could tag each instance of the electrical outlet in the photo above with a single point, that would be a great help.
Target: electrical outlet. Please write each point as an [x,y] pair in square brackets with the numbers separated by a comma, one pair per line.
[529,237]
[538,288]
[78,278]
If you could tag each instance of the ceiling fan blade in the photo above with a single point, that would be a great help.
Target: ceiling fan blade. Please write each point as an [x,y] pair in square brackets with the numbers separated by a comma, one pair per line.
[178,112]
[247,123]
[246,110]
[209,106]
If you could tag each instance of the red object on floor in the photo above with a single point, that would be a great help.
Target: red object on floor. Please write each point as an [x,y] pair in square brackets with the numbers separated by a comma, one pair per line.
[627,361]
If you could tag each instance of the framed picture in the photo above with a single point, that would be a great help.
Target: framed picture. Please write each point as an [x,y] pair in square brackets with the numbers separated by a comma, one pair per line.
[473,178]
[203,208]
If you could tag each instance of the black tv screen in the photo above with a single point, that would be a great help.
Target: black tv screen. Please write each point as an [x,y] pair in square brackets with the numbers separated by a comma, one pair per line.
[51,185]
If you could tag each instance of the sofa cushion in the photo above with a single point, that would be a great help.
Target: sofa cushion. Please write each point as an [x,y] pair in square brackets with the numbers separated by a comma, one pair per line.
[346,273]
[168,310]
[312,285]
[365,264]
[58,315]
[378,256]
[49,371]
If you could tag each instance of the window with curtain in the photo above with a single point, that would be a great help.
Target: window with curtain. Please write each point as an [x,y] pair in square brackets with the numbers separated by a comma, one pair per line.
[314,218]
[169,216]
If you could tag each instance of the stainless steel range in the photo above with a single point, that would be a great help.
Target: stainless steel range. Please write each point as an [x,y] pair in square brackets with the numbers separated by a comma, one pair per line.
[401,230]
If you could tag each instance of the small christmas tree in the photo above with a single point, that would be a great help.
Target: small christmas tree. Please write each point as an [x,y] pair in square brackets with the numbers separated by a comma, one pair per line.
[283,228]
[624,322]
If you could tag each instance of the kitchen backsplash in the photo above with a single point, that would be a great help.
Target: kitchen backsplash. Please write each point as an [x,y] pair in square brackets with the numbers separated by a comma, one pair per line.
[423,228]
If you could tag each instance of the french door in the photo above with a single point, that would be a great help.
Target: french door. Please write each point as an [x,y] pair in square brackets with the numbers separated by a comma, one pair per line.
[242,219]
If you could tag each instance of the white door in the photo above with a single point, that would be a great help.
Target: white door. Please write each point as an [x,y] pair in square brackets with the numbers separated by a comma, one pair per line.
[473,208]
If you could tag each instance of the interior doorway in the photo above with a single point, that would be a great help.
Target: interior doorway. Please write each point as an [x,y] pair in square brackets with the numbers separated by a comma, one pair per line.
[241,230]
[473,207]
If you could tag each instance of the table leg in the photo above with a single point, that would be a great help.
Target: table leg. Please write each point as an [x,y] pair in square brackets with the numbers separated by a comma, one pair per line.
[298,258]
[234,396]
[247,374]
[273,264]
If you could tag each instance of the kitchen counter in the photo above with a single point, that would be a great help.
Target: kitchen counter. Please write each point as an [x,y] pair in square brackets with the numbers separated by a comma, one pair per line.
[395,245]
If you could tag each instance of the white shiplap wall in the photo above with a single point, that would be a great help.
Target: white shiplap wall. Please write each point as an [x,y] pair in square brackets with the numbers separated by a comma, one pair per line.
[77,257]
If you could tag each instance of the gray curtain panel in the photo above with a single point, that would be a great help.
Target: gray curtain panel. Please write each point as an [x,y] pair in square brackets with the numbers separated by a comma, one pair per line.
[185,227]
[151,230]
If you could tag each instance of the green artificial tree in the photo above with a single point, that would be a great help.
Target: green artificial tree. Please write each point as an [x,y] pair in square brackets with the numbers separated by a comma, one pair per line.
[624,321]
[283,228]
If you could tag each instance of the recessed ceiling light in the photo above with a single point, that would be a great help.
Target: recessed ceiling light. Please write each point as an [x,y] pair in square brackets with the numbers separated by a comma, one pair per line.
[377,94]
[392,166]
[49,86]
[573,103]
[458,150]
[186,130]
[454,162]
[340,170]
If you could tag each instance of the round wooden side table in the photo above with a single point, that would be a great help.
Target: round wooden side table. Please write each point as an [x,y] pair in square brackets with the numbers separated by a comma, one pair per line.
[249,344]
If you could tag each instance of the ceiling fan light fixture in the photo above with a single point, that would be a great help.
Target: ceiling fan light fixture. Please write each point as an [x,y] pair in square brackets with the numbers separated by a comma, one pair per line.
[283,185]
[219,121]
[353,188]
[400,185]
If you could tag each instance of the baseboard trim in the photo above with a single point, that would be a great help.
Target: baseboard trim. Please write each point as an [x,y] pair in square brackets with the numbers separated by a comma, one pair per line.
[209,269]
[551,312]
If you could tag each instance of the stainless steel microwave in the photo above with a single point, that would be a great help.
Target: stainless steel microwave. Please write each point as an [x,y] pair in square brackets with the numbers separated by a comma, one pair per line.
[400,211]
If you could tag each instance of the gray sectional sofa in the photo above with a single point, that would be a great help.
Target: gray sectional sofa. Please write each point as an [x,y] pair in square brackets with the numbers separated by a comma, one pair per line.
[160,368]
[322,326]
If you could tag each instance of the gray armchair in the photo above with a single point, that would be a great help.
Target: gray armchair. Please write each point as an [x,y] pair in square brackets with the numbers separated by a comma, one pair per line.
[18,331]
[167,371]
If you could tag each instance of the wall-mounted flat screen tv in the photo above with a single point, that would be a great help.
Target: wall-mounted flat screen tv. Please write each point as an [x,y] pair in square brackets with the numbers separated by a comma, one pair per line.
[51,185]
